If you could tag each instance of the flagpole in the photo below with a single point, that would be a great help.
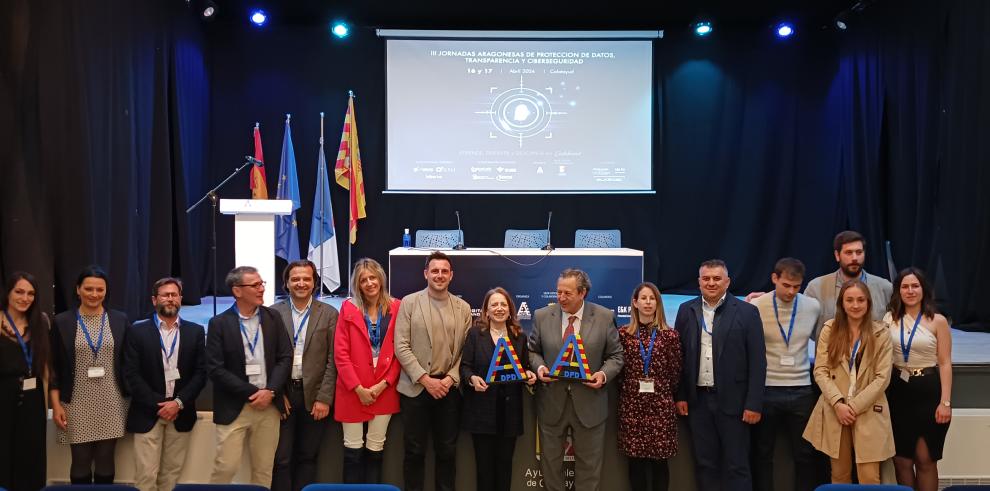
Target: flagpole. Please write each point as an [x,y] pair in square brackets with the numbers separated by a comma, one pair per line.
[323,199]
[350,209]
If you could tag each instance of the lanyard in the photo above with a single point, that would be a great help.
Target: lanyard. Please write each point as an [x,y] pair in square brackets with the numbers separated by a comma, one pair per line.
[89,340]
[790,330]
[305,317]
[705,325]
[852,359]
[647,355]
[161,339]
[28,351]
[251,345]
[906,349]
[374,330]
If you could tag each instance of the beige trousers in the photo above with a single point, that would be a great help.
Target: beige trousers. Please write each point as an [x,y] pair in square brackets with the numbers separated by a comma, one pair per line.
[260,429]
[158,457]
[867,472]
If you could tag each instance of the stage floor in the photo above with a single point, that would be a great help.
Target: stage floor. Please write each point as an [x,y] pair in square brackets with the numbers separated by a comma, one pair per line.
[968,348]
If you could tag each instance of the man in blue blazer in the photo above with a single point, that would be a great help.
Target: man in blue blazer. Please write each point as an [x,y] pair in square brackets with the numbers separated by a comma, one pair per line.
[165,370]
[722,383]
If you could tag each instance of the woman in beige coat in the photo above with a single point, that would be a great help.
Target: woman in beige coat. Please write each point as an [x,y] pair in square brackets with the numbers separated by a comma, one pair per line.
[852,367]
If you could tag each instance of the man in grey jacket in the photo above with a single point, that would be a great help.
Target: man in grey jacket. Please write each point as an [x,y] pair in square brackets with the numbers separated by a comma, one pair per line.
[429,333]
[309,393]
[582,406]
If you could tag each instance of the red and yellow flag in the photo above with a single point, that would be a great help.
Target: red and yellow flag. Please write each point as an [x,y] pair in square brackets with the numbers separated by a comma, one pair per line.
[259,186]
[347,172]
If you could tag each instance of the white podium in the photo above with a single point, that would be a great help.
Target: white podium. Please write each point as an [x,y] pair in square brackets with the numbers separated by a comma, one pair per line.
[254,235]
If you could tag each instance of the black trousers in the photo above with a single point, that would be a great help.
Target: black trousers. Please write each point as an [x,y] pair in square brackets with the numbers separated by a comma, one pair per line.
[421,416]
[493,461]
[721,446]
[299,440]
[787,410]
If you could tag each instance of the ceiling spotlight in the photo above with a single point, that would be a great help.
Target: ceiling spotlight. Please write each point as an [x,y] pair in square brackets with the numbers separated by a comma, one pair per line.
[840,21]
[340,29]
[703,29]
[259,17]
[209,10]
[785,30]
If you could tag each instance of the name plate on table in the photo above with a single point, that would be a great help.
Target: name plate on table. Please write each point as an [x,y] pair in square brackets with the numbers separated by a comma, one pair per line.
[505,367]
[571,363]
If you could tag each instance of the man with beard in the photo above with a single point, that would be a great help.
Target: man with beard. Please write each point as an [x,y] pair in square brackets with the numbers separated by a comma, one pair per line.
[309,393]
[850,253]
[165,370]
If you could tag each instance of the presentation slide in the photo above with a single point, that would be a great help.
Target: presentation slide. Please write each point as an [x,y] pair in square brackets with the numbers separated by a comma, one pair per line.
[518,115]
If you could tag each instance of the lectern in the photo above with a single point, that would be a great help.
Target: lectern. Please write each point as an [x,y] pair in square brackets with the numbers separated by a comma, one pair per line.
[254,235]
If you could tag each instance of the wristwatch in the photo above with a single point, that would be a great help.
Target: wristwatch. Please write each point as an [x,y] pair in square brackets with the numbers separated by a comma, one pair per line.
[946,403]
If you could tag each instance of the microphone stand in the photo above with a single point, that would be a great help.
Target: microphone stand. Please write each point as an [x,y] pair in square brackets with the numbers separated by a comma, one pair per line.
[214,200]
[547,246]
[459,246]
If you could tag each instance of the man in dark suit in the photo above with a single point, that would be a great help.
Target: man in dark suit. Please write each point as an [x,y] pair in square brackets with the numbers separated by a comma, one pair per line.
[165,370]
[249,356]
[722,383]
[582,406]
[310,324]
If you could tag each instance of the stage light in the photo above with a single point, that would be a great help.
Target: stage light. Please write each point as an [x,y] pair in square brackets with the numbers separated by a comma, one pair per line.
[209,10]
[784,30]
[703,29]
[340,29]
[259,17]
[841,19]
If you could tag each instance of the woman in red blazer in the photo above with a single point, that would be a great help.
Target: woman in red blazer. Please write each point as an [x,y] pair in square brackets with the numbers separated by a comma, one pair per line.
[366,371]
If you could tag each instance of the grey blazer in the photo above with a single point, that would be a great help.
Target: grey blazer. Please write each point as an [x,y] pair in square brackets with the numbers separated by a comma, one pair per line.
[414,340]
[601,344]
[318,369]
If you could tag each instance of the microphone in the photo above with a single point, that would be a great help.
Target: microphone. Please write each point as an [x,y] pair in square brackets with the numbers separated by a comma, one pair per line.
[460,244]
[548,247]
[254,161]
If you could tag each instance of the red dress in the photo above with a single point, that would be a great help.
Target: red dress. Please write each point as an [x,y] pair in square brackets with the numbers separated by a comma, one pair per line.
[648,421]
[352,354]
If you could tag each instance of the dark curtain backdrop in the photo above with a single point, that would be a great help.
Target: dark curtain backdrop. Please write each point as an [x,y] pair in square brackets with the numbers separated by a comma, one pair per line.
[762,148]
[104,106]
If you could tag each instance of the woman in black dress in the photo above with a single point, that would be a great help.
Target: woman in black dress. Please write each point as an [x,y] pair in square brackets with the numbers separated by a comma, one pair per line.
[493,413]
[24,358]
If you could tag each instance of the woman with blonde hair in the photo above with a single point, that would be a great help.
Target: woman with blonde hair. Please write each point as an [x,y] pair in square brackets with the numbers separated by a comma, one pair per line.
[852,368]
[367,371]
[652,369]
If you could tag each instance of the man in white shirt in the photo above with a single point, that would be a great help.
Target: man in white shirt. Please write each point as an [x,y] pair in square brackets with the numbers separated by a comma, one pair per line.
[165,369]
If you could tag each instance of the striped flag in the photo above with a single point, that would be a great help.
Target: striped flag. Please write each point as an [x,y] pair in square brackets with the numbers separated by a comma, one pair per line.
[259,188]
[347,171]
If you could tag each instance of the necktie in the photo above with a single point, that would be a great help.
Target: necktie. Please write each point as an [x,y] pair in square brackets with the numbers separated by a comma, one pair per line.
[570,327]
[569,331]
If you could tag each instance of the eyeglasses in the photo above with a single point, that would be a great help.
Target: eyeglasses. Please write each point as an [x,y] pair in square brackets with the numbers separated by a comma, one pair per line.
[169,295]
[260,284]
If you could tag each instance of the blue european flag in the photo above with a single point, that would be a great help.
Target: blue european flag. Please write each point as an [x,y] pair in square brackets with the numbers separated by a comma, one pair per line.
[286,231]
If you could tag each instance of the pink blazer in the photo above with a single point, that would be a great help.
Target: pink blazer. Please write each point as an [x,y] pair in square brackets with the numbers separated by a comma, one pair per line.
[352,354]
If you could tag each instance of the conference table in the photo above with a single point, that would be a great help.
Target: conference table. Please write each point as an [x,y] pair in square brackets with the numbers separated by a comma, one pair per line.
[529,275]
